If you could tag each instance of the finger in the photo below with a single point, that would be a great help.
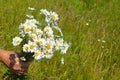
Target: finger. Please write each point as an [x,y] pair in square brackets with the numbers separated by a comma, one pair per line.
[17,54]
[19,72]
[24,65]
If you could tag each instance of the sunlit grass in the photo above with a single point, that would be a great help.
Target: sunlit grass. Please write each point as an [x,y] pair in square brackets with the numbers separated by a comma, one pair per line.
[86,59]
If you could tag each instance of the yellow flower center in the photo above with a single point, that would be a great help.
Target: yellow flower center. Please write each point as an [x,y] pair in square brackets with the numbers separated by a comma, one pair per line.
[36,54]
[32,36]
[51,36]
[56,44]
[34,31]
[52,16]
[47,30]
[46,52]
[40,42]
[65,47]
[39,33]
[31,47]
[34,26]
[46,36]
[17,41]
[27,29]
[37,42]
[48,46]
[26,47]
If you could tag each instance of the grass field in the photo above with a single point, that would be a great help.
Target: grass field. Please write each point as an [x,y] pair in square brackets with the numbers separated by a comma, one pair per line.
[84,23]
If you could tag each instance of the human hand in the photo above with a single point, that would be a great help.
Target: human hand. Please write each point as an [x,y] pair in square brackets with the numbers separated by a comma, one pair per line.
[12,61]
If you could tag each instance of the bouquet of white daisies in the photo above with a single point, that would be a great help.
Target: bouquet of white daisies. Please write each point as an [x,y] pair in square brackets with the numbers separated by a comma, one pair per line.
[40,42]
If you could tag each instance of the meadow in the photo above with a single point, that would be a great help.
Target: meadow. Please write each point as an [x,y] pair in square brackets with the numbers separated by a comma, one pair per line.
[92,26]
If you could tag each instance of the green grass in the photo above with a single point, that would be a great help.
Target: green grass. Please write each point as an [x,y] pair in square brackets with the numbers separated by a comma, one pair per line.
[85,60]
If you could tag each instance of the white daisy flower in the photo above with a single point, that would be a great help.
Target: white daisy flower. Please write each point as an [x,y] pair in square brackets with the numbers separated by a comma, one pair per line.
[51,37]
[60,40]
[39,32]
[46,52]
[54,16]
[30,8]
[26,48]
[48,30]
[27,29]
[34,26]
[59,43]
[38,55]
[45,12]
[21,26]
[22,33]
[48,46]
[40,41]
[33,36]
[34,21]
[21,29]
[32,46]
[65,47]
[50,41]
[27,22]
[48,56]
[48,20]
[17,41]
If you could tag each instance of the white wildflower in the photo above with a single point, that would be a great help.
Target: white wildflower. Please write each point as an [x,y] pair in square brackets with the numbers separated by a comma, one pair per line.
[87,24]
[34,21]
[34,26]
[30,8]
[103,41]
[48,30]
[58,43]
[65,47]
[28,22]
[23,58]
[54,16]
[26,48]
[45,12]
[32,46]
[27,29]
[21,26]
[16,41]
[62,60]
[33,36]
[48,56]
[39,32]
[102,47]
[40,41]
[38,55]
[29,16]
[99,40]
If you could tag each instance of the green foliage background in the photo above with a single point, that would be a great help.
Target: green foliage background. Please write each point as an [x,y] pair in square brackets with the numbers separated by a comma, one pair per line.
[86,59]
